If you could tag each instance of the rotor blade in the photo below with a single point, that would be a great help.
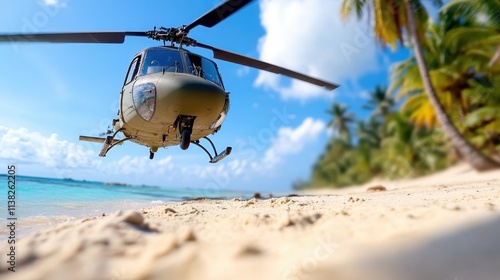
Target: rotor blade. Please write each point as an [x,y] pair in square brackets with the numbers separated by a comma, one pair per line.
[219,13]
[244,60]
[73,37]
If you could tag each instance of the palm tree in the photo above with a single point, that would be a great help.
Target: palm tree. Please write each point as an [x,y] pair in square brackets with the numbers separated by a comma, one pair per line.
[408,150]
[480,11]
[331,167]
[392,17]
[380,102]
[341,121]
[484,121]
[369,132]
[453,68]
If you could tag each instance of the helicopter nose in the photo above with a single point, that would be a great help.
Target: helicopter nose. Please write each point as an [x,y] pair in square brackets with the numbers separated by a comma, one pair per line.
[189,95]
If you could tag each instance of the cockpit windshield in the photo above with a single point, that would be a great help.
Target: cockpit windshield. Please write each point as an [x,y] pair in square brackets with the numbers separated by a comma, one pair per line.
[171,60]
[158,60]
[202,67]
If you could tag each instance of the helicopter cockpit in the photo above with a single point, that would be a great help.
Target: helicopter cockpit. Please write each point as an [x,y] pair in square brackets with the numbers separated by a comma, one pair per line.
[158,60]
[172,60]
[205,68]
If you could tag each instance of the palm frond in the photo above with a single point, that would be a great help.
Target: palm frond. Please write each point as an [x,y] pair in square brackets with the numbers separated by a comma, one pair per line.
[471,37]
[482,116]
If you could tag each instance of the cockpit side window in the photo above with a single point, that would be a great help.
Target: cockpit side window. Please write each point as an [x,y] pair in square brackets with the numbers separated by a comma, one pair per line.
[202,67]
[162,60]
[133,70]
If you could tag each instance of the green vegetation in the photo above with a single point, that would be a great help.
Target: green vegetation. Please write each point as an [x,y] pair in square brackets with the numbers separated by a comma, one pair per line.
[442,104]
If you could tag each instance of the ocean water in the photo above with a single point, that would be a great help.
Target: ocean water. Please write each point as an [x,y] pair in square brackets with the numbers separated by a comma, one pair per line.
[44,201]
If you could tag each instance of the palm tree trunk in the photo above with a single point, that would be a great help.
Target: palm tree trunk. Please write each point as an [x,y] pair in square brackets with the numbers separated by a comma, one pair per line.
[495,58]
[473,156]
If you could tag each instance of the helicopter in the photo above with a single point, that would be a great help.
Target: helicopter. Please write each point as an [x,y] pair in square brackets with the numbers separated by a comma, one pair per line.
[170,95]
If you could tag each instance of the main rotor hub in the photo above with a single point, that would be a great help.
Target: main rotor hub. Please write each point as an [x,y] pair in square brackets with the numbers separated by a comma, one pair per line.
[173,35]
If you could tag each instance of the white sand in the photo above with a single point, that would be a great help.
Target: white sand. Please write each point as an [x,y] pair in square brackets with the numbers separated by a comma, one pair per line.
[445,226]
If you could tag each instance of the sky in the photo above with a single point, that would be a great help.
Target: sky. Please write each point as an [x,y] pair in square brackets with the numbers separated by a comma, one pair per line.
[278,127]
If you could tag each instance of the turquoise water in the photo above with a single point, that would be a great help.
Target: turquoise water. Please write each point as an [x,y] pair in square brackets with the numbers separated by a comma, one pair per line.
[51,198]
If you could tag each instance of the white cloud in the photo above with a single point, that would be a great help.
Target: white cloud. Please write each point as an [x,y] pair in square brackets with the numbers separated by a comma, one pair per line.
[140,165]
[237,166]
[309,36]
[68,159]
[291,141]
[57,3]
[242,71]
[255,163]
[365,95]
[27,146]
[230,167]
[22,145]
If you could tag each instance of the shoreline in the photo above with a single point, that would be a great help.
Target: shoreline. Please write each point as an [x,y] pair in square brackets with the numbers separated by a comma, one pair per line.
[27,224]
[422,228]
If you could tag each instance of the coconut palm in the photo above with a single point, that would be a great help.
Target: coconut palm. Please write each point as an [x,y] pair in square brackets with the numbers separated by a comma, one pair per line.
[483,30]
[341,121]
[379,102]
[407,150]
[331,168]
[484,13]
[455,67]
[452,70]
[473,8]
[484,120]
[391,19]
[369,132]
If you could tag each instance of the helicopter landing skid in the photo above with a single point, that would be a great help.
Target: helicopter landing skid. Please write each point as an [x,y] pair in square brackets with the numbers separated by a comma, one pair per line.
[110,142]
[217,157]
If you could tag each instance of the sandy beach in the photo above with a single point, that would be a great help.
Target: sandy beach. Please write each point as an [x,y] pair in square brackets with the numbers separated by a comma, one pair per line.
[443,226]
